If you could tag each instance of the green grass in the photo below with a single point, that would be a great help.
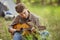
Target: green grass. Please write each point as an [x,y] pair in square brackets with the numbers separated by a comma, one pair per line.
[48,15]
[4,29]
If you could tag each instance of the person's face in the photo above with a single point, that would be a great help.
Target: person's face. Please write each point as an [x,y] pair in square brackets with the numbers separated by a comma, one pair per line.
[24,14]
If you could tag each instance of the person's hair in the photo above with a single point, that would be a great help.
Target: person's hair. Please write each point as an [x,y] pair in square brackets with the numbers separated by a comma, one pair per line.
[20,7]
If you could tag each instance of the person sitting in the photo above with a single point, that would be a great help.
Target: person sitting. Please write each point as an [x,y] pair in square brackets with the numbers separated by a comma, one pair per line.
[25,16]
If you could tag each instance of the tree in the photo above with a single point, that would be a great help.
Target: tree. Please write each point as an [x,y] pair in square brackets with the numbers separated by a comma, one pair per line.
[58,2]
[42,2]
[18,1]
[50,2]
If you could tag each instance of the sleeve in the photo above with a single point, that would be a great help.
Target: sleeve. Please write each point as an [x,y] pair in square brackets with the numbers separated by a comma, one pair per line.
[38,24]
[15,21]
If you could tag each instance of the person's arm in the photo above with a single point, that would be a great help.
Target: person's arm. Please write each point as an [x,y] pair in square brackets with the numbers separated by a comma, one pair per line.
[37,23]
[15,21]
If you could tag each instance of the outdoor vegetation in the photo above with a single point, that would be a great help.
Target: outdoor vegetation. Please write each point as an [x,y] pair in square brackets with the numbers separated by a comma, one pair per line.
[48,12]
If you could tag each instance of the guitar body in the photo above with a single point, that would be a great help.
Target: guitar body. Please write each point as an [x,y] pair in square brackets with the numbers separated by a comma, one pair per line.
[24,26]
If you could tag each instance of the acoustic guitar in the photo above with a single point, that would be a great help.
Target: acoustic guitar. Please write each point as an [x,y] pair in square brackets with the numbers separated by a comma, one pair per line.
[25,27]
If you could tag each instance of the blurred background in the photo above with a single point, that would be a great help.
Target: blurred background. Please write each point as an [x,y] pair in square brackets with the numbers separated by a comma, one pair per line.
[47,10]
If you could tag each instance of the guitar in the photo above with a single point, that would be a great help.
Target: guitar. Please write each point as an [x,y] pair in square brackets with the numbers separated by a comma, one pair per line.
[25,27]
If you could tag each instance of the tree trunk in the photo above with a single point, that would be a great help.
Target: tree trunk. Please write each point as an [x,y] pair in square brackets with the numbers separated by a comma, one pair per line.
[58,2]
[50,2]
[18,1]
[42,2]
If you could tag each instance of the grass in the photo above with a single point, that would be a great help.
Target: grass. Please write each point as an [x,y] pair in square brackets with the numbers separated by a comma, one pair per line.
[4,29]
[48,15]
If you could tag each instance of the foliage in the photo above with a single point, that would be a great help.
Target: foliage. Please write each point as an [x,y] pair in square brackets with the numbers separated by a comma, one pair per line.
[49,16]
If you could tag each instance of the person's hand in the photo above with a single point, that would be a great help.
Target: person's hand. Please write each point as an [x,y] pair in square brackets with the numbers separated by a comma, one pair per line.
[33,30]
[17,29]
[12,30]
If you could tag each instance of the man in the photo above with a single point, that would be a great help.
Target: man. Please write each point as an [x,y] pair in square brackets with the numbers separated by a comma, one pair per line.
[23,17]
